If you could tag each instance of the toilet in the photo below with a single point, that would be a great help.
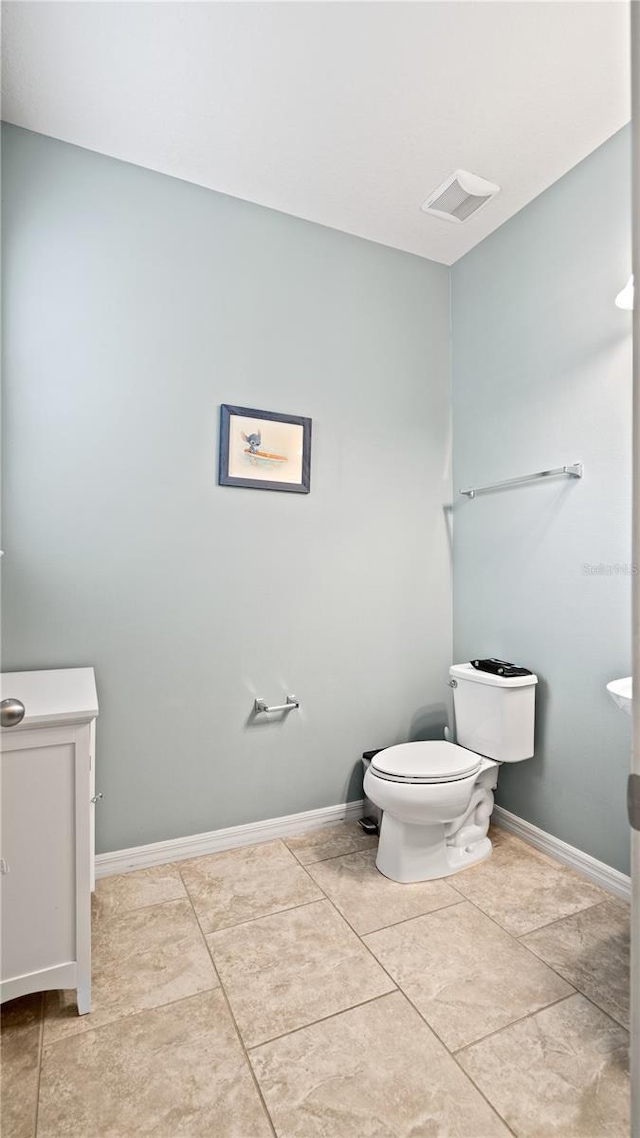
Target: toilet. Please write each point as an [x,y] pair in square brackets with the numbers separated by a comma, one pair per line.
[436,797]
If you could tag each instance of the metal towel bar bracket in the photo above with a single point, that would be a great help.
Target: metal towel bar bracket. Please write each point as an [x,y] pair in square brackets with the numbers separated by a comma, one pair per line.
[261,705]
[573,470]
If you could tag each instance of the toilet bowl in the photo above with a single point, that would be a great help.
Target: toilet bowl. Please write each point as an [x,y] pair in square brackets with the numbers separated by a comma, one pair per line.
[435,818]
[436,797]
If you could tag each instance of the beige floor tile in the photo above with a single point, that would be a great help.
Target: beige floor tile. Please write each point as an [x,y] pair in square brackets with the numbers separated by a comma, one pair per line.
[19,1065]
[141,959]
[331,841]
[559,1074]
[522,889]
[238,885]
[465,975]
[174,1071]
[290,969]
[591,950]
[370,901]
[375,1071]
[136,890]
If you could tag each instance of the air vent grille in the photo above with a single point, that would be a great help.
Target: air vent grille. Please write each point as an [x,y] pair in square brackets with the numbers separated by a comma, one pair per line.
[460,196]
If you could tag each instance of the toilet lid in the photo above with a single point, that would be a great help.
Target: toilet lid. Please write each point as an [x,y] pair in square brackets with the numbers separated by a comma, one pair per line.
[433,761]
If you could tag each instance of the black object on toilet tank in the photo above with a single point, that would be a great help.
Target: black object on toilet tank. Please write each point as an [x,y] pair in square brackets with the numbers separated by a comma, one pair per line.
[500,668]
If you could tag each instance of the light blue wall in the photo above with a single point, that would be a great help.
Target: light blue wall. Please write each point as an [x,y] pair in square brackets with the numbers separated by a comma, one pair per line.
[542,376]
[134,305]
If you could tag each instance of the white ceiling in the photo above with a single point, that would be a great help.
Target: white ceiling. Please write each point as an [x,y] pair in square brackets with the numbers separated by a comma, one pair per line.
[347,114]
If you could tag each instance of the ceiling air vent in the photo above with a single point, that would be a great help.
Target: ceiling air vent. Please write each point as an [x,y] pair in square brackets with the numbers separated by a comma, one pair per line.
[460,196]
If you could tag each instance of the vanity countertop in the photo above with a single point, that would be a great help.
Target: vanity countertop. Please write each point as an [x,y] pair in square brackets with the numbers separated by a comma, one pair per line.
[59,695]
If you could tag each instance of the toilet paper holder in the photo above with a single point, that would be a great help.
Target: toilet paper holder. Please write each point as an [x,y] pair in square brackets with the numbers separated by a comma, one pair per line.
[262,707]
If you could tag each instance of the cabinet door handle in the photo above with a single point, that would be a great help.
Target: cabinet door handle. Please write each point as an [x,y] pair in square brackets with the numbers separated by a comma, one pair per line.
[97,797]
[11,712]
[4,868]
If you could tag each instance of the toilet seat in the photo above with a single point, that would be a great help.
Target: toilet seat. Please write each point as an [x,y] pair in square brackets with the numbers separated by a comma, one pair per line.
[425,762]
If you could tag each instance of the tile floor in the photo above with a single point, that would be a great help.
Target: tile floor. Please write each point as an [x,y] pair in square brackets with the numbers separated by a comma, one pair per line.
[290,989]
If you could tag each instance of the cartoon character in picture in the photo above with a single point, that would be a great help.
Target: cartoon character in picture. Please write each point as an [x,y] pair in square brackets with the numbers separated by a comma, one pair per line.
[253,441]
[253,448]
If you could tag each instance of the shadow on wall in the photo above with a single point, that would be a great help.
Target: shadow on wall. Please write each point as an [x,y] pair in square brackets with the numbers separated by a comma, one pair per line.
[447,510]
[540,727]
[354,784]
[429,723]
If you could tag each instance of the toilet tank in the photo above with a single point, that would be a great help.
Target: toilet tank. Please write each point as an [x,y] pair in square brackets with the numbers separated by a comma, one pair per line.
[494,715]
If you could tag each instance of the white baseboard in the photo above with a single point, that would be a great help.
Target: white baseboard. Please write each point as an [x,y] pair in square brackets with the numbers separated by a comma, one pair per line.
[178,849]
[603,875]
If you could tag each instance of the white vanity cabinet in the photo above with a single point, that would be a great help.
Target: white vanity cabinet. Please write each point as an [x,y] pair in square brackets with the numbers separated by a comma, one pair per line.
[46,840]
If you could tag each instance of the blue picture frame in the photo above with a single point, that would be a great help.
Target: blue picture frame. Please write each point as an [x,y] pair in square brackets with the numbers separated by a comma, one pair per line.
[227,411]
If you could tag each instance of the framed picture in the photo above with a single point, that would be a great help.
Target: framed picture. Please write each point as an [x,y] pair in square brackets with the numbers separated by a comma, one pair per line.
[264,450]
